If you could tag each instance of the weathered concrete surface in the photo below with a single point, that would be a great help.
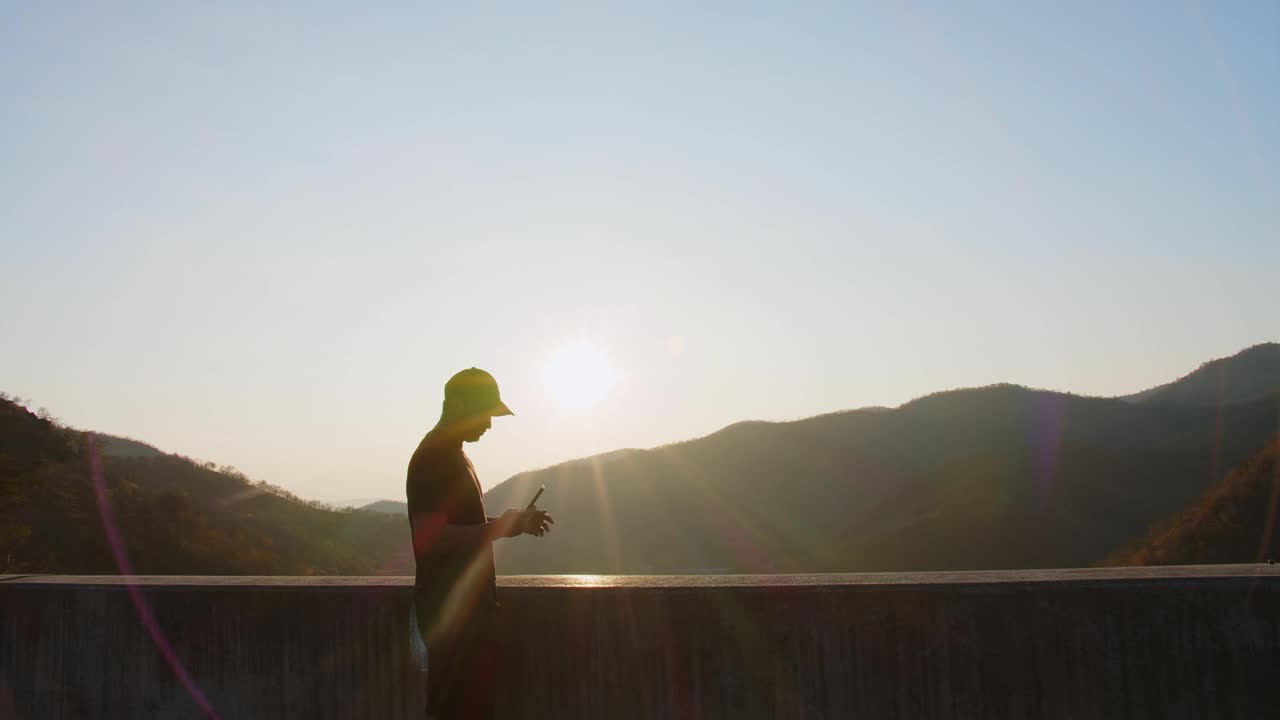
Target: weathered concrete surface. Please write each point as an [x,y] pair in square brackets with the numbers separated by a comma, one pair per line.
[1141,643]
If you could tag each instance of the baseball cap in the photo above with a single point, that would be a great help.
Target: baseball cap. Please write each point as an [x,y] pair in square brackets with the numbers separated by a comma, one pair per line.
[475,391]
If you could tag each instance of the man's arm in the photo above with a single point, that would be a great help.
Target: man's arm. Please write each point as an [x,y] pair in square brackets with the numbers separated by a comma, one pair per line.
[432,533]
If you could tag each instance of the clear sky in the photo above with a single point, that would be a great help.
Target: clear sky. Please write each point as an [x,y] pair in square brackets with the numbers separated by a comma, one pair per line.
[267,236]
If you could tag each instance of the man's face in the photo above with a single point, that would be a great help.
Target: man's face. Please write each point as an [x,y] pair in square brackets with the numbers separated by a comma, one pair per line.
[476,426]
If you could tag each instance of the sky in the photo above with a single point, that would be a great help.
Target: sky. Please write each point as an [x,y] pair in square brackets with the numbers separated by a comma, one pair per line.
[266,236]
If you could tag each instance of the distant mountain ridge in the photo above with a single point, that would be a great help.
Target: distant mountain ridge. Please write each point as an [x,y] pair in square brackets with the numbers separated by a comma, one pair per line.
[1248,375]
[947,481]
[994,477]
[388,507]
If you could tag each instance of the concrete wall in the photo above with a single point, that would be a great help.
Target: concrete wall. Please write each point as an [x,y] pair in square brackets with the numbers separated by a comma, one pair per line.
[1143,643]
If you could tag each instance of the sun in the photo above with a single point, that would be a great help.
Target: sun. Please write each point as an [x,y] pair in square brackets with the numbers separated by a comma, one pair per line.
[578,375]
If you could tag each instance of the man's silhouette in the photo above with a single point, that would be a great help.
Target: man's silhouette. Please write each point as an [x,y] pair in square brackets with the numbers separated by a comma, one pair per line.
[455,593]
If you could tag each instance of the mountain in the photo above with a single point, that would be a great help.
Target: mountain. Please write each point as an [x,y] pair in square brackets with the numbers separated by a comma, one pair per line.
[995,477]
[389,507]
[173,515]
[1235,521]
[1248,375]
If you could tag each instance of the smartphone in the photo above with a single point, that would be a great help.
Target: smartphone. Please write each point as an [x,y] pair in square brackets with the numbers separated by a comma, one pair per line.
[534,501]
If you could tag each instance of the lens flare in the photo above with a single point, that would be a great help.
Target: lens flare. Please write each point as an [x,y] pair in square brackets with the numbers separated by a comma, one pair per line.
[145,615]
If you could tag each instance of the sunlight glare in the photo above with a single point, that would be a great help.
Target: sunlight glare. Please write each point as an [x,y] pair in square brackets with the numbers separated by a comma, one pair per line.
[578,375]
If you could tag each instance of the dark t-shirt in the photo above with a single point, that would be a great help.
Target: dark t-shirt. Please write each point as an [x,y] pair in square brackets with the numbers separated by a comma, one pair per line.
[442,489]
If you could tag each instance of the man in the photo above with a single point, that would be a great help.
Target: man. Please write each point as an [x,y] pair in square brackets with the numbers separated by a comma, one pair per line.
[455,592]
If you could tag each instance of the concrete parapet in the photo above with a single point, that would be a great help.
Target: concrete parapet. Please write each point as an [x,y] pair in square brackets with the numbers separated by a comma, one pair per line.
[1123,643]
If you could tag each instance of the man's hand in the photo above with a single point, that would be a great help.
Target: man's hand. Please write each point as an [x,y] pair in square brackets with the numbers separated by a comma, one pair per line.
[525,522]
[536,522]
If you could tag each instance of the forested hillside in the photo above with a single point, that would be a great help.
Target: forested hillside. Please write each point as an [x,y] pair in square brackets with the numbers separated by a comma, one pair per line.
[62,497]
[997,477]
[1233,522]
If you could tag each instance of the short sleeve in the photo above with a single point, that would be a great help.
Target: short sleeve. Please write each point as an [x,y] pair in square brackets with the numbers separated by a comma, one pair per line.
[427,493]
[425,486]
